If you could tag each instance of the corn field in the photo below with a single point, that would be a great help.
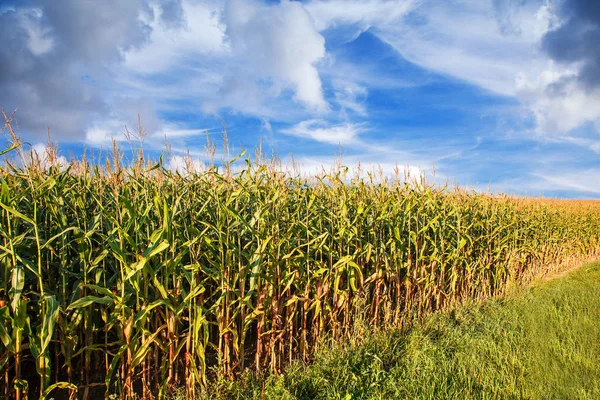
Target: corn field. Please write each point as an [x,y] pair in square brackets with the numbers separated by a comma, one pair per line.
[135,280]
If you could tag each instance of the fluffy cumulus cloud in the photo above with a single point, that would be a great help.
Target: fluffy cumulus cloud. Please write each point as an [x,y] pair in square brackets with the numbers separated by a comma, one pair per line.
[83,67]
[56,55]
[568,95]
[180,32]
[559,102]
[279,43]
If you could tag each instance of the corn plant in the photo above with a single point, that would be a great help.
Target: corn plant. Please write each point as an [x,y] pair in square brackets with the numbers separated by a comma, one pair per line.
[138,280]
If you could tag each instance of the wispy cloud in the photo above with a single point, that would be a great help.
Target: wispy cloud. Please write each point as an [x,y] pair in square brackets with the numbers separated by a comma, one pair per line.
[350,97]
[361,13]
[585,181]
[321,131]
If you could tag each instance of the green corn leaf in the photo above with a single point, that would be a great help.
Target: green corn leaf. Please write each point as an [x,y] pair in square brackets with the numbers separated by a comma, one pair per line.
[6,320]
[51,311]
[17,213]
[87,300]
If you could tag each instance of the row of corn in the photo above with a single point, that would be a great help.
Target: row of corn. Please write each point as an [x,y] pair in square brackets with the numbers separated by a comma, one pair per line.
[134,281]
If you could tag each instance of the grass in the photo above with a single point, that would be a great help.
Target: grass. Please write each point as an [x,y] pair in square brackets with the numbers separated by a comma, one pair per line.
[542,342]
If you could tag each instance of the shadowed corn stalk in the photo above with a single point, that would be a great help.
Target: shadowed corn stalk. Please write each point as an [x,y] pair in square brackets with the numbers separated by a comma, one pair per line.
[139,280]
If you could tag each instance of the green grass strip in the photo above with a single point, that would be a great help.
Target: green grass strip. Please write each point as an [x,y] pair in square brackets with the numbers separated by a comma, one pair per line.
[541,342]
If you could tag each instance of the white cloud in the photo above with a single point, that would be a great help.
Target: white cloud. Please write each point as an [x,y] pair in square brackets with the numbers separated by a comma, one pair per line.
[464,40]
[235,56]
[494,44]
[104,134]
[350,96]
[201,35]
[265,125]
[364,13]
[172,131]
[558,101]
[40,40]
[581,180]
[321,131]
[240,93]
[278,43]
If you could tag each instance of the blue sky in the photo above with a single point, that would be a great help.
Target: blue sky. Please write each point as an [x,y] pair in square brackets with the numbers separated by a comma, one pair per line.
[492,93]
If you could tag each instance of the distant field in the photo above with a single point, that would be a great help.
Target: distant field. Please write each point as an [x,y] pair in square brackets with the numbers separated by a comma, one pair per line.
[127,278]
[537,343]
